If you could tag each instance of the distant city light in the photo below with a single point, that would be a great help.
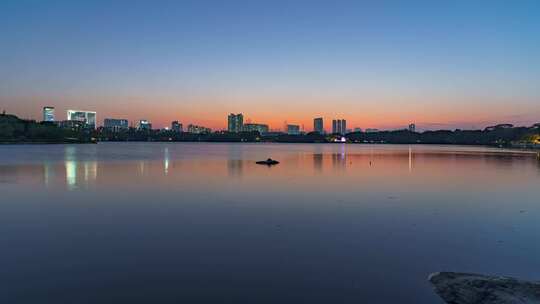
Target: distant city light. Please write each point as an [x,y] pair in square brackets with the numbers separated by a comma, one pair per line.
[86,117]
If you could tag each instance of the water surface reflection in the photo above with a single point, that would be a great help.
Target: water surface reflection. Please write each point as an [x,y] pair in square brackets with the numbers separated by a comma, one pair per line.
[169,223]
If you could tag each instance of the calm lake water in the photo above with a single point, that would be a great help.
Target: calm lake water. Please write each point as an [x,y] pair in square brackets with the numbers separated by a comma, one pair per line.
[202,223]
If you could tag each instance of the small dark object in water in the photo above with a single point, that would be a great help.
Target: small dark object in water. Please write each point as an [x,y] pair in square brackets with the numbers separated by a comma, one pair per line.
[268,162]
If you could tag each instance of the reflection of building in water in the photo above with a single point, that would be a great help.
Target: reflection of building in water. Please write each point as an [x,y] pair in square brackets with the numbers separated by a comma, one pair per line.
[71,174]
[90,171]
[235,167]
[234,161]
[70,162]
[142,167]
[410,159]
[48,173]
[75,169]
[166,160]
[318,161]
[339,160]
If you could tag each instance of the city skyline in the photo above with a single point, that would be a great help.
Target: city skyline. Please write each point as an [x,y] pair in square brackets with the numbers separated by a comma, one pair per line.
[235,123]
[219,124]
[379,65]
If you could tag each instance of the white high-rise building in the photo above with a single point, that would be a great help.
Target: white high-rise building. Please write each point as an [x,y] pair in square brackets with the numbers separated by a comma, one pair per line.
[48,114]
[144,124]
[86,117]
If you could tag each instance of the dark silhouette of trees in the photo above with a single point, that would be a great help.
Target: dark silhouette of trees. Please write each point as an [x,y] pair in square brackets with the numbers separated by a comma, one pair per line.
[497,136]
[14,129]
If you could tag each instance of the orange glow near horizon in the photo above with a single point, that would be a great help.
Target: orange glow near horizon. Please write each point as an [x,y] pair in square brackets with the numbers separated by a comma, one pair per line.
[383,113]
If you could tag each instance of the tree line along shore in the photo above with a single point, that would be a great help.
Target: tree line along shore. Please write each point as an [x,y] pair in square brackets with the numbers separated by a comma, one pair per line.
[16,130]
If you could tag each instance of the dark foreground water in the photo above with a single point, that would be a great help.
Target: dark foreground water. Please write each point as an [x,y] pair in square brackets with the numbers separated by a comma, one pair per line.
[201,223]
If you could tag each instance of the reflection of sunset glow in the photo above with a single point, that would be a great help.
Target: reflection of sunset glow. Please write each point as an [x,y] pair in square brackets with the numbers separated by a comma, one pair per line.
[141,165]
[343,166]
[134,196]
[48,173]
[386,114]
[410,159]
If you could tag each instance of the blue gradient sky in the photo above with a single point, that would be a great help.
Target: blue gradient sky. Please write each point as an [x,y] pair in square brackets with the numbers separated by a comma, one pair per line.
[376,63]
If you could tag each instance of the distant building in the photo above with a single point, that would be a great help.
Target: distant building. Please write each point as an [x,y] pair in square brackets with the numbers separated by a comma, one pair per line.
[293,129]
[357,129]
[72,124]
[48,114]
[235,123]
[251,127]
[412,128]
[115,125]
[372,130]
[198,129]
[176,127]
[318,125]
[501,126]
[536,126]
[88,118]
[339,126]
[144,124]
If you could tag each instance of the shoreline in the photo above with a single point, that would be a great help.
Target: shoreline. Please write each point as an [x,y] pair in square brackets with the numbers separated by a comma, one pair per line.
[525,150]
[46,142]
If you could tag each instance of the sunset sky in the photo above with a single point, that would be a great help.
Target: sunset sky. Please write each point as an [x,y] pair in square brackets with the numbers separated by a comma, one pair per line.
[378,64]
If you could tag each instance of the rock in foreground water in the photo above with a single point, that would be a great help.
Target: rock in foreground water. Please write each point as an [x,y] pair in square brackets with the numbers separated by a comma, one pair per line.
[466,288]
